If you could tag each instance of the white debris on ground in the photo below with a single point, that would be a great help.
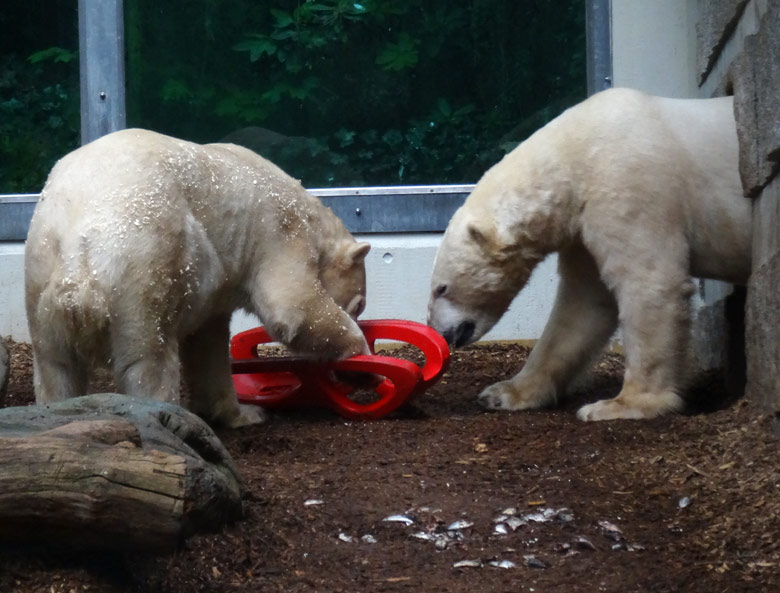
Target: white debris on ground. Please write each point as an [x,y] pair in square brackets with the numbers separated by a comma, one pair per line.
[399,519]
[427,525]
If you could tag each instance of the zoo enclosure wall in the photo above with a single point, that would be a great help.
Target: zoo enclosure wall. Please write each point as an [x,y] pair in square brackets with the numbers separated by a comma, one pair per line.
[403,223]
[646,46]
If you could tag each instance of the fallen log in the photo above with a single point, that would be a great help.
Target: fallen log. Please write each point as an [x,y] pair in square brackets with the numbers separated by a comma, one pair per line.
[112,472]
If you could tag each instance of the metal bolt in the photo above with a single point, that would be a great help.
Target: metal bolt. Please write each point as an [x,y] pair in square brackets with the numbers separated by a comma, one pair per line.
[358,212]
[102,95]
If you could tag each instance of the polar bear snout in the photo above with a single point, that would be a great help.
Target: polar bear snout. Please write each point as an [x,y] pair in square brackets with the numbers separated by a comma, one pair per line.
[461,334]
[458,326]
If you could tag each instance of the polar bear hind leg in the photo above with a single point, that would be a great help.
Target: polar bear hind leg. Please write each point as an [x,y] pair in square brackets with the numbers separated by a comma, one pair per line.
[206,367]
[583,318]
[59,373]
[145,358]
[653,290]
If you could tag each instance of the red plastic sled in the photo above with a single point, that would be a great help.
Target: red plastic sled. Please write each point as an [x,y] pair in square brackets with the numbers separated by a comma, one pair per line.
[284,381]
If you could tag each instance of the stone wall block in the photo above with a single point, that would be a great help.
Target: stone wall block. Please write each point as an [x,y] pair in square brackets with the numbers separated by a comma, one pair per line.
[763,346]
[755,79]
[718,20]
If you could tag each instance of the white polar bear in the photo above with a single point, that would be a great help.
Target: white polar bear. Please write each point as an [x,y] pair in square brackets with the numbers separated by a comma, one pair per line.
[635,193]
[142,246]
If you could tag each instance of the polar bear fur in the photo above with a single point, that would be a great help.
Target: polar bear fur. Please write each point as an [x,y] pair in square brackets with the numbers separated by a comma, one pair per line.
[636,194]
[142,246]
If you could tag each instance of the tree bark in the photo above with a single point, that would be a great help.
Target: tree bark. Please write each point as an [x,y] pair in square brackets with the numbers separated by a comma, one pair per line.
[113,472]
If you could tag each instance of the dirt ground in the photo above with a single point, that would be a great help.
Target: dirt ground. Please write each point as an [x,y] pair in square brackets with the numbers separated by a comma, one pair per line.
[484,502]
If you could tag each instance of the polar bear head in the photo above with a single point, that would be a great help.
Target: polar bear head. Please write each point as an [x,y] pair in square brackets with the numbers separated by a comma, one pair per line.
[477,272]
[310,303]
[343,275]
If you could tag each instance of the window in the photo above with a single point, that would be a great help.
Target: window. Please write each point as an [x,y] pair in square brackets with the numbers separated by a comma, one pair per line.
[39,84]
[356,93]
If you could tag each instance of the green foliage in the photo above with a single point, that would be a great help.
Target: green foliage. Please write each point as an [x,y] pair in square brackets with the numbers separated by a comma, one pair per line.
[336,92]
[39,81]
[379,91]
[401,55]
[257,45]
[39,117]
[55,54]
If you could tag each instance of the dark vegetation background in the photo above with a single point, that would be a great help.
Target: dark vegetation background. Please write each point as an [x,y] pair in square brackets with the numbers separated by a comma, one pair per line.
[336,92]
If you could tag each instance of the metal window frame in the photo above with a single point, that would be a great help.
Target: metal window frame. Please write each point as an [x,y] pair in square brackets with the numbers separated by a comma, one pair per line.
[598,44]
[392,209]
[102,67]
[15,213]
[395,209]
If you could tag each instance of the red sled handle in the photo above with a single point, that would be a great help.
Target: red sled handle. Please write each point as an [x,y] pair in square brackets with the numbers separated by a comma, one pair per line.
[427,339]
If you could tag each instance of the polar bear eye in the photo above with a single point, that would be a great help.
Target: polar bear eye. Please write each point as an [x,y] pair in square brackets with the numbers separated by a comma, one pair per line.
[440,290]
[356,306]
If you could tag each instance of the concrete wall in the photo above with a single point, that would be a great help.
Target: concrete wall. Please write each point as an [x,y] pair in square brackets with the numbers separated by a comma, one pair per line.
[398,272]
[13,321]
[654,47]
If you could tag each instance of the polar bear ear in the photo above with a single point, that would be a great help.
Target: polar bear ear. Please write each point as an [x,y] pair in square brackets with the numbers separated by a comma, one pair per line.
[358,252]
[490,241]
[348,254]
[479,237]
[487,239]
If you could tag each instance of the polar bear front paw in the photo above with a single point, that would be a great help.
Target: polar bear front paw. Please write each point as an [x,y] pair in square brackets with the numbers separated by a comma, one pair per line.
[505,395]
[247,415]
[636,406]
[494,397]
[607,409]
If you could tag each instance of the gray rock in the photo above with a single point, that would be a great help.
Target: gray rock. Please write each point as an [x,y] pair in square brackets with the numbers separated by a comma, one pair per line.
[755,77]
[761,323]
[717,22]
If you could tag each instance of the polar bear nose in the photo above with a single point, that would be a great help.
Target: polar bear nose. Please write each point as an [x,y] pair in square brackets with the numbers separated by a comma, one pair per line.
[461,335]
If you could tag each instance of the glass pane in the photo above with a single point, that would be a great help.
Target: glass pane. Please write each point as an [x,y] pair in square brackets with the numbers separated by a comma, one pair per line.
[39,90]
[369,92]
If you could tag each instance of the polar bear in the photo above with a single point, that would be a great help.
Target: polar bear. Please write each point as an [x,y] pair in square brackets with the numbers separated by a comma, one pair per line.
[636,193]
[141,247]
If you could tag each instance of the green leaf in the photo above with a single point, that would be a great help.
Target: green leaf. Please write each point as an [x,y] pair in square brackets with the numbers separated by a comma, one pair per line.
[273,95]
[461,112]
[55,54]
[176,90]
[283,34]
[320,7]
[243,105]
[257,45]
[392,137]
[11,105]
[400,55]
[345,137]
[304,89]
[444,107]
[283,19]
